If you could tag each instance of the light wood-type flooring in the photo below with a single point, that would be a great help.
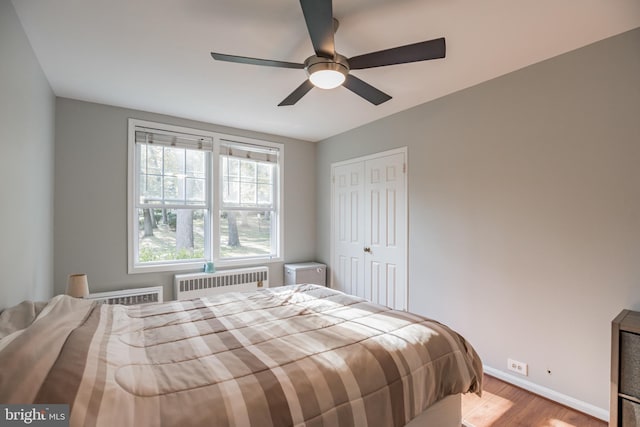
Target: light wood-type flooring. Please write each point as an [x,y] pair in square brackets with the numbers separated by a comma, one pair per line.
[502,404]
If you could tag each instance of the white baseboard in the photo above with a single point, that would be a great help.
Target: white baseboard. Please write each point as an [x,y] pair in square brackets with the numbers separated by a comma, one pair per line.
[563,399]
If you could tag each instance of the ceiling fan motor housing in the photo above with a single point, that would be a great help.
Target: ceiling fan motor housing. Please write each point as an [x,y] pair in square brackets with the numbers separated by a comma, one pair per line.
[315,63]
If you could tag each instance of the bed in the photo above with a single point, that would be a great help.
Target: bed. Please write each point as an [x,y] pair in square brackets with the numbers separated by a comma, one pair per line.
[300,355]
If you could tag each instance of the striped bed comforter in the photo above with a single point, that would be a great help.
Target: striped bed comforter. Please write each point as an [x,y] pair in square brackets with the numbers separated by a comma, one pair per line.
[298,355]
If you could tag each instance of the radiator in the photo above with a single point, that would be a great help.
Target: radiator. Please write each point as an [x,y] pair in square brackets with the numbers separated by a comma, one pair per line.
[129,296]
[188,286]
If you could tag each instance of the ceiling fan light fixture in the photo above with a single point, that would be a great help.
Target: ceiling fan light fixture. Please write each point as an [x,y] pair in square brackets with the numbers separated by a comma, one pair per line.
[327,79]
[326,73]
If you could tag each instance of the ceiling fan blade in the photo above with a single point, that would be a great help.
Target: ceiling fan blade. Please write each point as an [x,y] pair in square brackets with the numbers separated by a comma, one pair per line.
[421,51]
[365,90]
[319,17]
[297,94]
[255,61]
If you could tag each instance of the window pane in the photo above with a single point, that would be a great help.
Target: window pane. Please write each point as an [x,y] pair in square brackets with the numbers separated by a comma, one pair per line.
[142,158]
[224,161]
[248,193]
[171,234]
[245,234]
[173,189]
[233,167]
[150,189]
[174,159]
[196,164]
[248,171]
[264,172]
[265,194]
[153,159]
[230,192]
[196,190]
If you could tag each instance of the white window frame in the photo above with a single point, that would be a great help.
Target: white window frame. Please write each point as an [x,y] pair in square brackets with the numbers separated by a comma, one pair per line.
[215,185]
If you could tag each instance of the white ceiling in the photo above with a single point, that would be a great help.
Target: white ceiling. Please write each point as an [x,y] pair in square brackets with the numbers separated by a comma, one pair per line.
[153,55]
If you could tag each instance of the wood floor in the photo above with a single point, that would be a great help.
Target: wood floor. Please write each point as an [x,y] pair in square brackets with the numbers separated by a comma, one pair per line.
[505,405]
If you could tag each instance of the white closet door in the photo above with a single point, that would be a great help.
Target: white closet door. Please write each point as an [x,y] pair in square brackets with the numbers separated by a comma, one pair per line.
[349,228]
[385,231]
[370,228]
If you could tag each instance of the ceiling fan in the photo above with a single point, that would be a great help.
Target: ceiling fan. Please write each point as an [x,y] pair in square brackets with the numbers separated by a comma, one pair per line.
[327,69]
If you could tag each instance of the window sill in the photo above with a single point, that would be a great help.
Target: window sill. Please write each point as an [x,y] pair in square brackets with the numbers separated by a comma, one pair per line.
[199,265]
[167,268]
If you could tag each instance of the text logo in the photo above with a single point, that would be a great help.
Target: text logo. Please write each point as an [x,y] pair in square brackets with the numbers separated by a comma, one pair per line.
[34,415]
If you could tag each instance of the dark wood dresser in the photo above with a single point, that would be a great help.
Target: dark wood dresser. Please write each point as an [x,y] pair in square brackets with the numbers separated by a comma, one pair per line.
[625,370]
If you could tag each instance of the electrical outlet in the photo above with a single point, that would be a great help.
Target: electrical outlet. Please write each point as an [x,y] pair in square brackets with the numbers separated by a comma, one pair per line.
[519,367]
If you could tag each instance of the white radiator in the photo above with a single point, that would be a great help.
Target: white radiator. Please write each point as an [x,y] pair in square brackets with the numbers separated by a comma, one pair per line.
[129,296]
[188,286]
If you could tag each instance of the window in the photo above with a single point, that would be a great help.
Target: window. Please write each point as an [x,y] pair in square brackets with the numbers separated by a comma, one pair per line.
[197,196]
[247,209]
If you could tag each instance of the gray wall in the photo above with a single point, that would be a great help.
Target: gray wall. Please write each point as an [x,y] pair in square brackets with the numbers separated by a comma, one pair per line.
[524,210]
[91,196]
[26,167]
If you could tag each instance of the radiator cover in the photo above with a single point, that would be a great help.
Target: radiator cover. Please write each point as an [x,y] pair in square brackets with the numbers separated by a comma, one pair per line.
[196,285]
[146,295]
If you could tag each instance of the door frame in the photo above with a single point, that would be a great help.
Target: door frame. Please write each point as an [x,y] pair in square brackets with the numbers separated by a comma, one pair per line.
[401,150]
